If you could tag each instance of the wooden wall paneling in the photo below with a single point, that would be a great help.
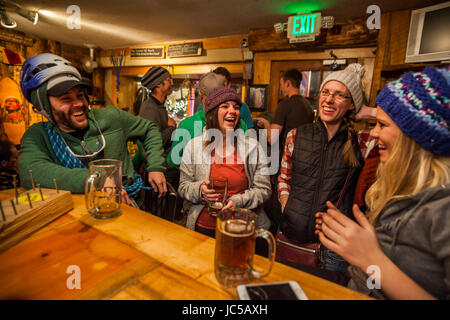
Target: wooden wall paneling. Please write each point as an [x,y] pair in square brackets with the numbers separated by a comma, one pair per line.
[53,46]
[345,33]
[261,74]
[185,69]
[368,64]
[134,71]
[114,95]
[263,60]
[382,55]
[399,30]
[108,88]
[208,44]
[98,80]
[38,47]
[128,88]
[125,97]
[223,42]
[200,69]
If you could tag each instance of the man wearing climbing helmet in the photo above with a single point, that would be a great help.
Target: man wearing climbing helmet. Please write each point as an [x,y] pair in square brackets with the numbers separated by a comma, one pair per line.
[75,134]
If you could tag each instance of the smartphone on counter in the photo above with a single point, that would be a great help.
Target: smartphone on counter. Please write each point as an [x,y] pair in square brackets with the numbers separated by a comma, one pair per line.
[287,290]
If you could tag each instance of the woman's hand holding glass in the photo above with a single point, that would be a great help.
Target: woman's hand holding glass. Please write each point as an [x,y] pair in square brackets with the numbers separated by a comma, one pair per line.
[214,192]
[209,195]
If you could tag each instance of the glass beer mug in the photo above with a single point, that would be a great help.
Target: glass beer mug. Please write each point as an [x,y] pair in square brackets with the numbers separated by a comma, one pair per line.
[236,235]
[103,188]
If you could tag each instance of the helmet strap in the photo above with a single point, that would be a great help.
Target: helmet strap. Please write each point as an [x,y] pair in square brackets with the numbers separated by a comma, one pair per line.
[40,100]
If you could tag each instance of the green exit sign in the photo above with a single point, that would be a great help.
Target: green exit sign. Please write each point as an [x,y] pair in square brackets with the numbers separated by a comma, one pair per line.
[304,27]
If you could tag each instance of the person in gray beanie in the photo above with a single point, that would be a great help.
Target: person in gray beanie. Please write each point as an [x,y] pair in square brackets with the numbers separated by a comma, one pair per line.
[322,161]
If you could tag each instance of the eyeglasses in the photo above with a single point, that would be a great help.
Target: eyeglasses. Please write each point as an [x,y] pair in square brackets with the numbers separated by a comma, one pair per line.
[337,95]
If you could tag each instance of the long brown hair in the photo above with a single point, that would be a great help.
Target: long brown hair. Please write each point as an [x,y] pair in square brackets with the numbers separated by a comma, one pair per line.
[349,152]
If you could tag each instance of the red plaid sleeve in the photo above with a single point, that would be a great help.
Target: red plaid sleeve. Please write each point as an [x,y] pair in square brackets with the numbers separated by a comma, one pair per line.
[366,142]
[284,178]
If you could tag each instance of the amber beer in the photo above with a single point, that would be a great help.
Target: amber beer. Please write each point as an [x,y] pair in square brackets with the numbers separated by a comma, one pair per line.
[214,208]
[235,247]
[103,188]
[105,206]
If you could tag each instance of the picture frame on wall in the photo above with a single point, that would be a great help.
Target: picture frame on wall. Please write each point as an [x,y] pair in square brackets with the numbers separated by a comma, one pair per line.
[256,97]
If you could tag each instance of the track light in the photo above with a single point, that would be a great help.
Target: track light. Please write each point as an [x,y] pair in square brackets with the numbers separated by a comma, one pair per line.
[33,16]
[5,20]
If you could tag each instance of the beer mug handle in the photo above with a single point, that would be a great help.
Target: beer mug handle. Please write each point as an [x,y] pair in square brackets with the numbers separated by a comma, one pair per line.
[272,250]
[88,191]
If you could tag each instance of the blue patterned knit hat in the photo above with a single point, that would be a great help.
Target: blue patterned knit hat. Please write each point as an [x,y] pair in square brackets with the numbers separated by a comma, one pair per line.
[419,103]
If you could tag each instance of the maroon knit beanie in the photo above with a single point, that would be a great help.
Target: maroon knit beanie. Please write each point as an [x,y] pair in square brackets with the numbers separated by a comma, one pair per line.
[219,96]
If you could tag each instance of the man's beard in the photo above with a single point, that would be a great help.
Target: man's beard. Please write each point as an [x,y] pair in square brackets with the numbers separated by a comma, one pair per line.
[66,120]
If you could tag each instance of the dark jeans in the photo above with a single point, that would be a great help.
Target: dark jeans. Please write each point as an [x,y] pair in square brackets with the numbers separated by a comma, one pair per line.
[332,261]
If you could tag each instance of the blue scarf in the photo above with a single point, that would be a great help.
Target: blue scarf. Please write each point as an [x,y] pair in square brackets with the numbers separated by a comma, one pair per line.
[67,159]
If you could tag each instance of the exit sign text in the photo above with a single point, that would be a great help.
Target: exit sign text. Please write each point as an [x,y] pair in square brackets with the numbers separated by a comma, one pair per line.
[304,27]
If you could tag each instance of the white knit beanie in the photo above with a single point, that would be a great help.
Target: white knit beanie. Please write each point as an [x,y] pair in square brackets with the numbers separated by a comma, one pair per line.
[351,78]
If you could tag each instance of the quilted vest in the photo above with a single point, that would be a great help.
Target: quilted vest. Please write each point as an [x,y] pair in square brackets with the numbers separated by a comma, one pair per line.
[318,175]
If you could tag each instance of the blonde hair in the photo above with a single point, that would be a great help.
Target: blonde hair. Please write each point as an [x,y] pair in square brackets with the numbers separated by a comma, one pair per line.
[408,170]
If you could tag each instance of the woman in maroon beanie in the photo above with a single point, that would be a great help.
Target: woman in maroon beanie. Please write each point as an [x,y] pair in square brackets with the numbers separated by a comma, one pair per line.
[223,151]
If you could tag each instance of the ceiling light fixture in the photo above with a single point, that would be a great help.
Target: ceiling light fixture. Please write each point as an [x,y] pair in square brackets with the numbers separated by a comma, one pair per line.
[5,20]
[33,16]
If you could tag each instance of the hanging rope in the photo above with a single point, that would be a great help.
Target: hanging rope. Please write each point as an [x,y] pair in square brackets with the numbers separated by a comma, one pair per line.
[138,184]
[117,68]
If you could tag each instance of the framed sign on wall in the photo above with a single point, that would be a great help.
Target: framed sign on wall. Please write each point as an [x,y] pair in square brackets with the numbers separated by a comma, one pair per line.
[147,52]
[256,97]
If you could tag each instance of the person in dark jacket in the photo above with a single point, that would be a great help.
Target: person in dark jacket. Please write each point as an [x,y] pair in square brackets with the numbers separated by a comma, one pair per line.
[160,83]
[322,161]
[404,245]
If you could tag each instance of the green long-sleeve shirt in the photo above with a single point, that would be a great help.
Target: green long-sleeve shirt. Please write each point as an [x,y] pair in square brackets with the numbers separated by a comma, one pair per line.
[117,127]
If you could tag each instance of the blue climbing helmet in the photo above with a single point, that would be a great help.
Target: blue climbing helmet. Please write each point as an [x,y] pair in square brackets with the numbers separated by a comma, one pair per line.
[36,73]
[40,68]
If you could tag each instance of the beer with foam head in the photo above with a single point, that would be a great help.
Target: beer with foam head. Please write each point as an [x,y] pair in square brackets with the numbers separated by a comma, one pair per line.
[235,247]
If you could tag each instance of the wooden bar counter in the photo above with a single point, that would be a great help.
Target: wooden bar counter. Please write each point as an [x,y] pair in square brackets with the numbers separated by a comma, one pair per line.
[134,256]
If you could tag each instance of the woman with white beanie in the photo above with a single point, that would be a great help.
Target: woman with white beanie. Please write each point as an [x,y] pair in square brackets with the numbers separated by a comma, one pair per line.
[321,162]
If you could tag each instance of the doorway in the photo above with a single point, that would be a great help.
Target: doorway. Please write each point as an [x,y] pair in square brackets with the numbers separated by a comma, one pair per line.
[313,72]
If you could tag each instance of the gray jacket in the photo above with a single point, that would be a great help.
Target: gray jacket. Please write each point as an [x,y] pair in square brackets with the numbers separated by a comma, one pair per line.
[196,166]
[414,232]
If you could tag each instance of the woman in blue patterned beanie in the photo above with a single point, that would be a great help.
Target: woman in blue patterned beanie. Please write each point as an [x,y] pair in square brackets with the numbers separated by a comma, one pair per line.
[402,250]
